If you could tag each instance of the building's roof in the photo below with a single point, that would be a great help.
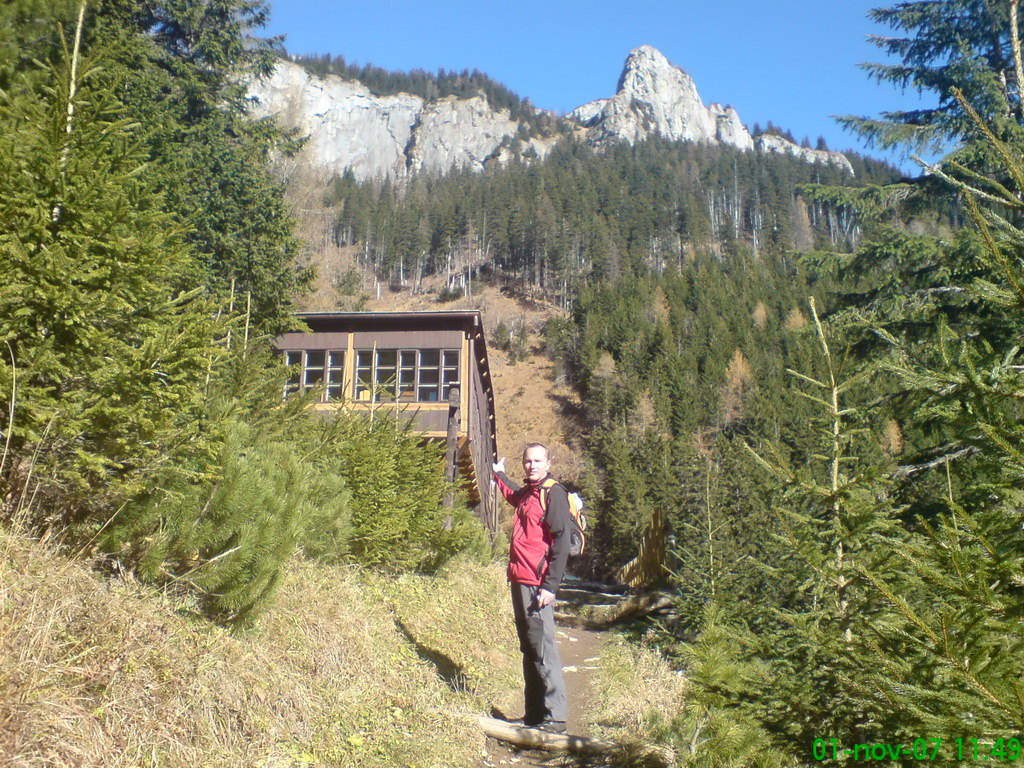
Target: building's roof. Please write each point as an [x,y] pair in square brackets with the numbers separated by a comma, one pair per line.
[433,314]
[412,313]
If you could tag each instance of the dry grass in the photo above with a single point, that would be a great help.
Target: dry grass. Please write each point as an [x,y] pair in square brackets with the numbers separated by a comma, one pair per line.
[98,672]
[635,694]
[463,621]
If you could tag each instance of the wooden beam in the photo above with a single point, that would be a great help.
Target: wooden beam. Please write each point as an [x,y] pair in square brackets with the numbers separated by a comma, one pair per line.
[534,738]
[349,377]
[451,444]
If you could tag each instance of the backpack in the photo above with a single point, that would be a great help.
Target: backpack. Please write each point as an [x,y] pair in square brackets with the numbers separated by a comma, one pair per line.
[577,540]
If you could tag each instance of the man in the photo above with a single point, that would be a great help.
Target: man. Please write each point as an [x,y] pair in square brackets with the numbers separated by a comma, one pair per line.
[537,558]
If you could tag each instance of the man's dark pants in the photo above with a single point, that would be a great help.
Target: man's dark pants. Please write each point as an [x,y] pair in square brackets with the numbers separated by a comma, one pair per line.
[544,687]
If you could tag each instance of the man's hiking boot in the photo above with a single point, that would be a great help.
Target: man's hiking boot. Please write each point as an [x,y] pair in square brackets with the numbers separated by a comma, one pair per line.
[522,722]
[551,726]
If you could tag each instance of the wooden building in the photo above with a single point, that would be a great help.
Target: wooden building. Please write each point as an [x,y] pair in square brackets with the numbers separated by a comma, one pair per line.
[429,366]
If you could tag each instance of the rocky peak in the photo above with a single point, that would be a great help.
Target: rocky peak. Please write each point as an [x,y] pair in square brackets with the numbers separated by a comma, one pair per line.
[656,97]
[649,77]
[652,97]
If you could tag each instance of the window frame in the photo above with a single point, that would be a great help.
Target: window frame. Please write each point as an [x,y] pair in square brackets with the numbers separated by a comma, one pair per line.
[367,387]
[333,362]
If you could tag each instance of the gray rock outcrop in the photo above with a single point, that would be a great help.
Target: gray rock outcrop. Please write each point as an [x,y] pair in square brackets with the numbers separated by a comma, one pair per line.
[770,143]
[348,127]
[454,133]
[729,129]
[655,97]
[589,113]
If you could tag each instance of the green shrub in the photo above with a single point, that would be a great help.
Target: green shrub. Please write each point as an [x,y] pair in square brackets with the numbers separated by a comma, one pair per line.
[501,337]
[450,293]
[519,346]
[397,486]
[229,536]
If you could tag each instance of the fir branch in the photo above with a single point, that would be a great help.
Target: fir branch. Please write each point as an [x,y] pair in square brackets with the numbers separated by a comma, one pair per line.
[10,409]
[1011,165]
[72,92]
[979,179]
[901,605]
[936,169]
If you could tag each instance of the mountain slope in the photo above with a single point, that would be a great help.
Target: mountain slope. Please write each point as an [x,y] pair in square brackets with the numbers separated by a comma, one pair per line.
[397,135]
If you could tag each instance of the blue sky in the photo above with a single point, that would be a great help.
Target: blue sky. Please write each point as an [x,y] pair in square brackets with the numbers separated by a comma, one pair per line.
[793,62]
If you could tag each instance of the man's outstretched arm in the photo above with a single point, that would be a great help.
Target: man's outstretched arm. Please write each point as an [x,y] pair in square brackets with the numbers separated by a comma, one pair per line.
[506,485]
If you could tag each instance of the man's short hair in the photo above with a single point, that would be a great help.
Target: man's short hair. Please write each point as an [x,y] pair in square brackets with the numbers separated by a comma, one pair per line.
[547,453]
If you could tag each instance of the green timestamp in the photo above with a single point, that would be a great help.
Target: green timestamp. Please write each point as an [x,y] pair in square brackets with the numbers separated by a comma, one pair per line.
[960,748]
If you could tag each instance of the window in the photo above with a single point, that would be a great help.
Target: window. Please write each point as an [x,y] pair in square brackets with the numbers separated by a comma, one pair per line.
[317,368]
[292,358]
[406,375]
[335,391]
[449,372]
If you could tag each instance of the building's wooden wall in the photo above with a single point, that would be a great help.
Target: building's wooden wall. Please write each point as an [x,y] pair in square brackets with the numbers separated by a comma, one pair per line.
[481,437]
[476,415]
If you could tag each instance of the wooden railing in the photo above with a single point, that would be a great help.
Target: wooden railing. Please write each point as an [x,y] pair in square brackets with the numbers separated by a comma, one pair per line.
[648,567]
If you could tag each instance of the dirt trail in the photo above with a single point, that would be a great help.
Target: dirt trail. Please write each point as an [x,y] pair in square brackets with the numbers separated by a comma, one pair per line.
[581,652]
[581,657]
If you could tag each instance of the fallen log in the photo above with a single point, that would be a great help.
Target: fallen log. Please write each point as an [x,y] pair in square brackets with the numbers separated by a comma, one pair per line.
[571,594]
[534,738]
[600,617]
[594,586]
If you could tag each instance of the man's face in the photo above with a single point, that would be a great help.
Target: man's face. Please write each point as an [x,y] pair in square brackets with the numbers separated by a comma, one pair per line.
[536,464]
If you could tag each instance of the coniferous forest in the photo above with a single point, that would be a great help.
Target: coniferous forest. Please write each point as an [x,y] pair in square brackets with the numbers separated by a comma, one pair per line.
[834,437]
[814,377]
[147,257]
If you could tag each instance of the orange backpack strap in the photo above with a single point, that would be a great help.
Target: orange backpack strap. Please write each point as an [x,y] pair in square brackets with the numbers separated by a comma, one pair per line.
[545,487]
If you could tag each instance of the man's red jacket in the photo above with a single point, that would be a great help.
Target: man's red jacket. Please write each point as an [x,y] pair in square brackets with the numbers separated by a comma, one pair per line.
[540,541]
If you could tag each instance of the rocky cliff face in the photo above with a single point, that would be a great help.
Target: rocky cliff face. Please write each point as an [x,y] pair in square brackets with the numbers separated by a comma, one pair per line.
[379,136]
[395,136]
[729,129]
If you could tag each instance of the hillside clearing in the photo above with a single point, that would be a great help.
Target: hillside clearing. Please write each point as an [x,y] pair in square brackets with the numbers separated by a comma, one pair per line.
[98,672]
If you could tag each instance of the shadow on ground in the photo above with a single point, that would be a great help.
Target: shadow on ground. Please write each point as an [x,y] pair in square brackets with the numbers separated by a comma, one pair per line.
[453,675]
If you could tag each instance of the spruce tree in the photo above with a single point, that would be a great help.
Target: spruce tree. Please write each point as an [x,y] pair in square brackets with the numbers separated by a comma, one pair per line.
[836,520]
[108,335]
[965,44]
[956,606]
[180,68]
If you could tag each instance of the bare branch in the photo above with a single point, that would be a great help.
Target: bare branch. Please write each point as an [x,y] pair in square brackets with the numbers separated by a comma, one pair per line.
[912,469]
